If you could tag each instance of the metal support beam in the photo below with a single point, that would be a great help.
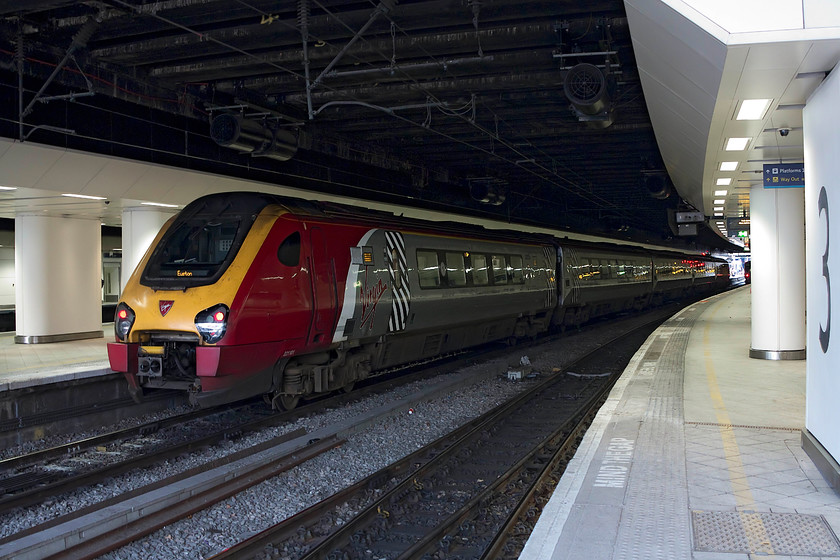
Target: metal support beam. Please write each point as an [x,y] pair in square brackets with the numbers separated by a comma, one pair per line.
[79,41]
[384,7]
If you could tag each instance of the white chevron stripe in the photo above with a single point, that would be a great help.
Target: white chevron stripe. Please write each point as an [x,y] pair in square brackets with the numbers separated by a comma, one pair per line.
[402,296]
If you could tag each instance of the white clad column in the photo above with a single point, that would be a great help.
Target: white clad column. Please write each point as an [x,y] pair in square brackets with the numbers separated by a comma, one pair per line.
[777,243]
[58,279]
[140,225]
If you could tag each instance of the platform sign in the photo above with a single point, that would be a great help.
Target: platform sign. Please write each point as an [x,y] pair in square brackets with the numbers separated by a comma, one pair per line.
[736,225]
[784,175]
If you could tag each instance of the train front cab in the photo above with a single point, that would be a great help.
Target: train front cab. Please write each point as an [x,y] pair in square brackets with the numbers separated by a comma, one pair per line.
[209,322]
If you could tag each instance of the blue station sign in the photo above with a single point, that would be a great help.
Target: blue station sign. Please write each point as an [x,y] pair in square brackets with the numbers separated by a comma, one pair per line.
[783,175]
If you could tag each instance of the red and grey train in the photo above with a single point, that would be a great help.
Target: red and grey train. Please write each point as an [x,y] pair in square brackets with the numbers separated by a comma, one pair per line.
[244,293]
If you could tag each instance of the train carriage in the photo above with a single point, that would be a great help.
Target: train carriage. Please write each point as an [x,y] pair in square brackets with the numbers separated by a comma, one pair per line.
[250,294]
[602,281]
[243,294]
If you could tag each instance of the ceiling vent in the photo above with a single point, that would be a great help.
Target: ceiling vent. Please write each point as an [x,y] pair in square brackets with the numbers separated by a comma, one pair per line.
[586,87]
[252,137]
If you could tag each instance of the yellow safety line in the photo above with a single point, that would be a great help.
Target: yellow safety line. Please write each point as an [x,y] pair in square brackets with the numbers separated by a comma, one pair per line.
[751,522]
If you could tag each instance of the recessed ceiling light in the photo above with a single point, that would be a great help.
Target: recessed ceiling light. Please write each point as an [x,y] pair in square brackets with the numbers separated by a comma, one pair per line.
[724,181]
[719,201]
[87,196]
[161,204]
[721,193]
[728,165]
[737,144]
[752,109]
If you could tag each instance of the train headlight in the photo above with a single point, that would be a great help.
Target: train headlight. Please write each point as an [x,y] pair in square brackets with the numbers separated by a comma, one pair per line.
[212,323]
[123,321]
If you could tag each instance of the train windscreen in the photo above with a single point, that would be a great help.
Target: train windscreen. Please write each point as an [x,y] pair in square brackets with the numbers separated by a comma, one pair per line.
[201,243]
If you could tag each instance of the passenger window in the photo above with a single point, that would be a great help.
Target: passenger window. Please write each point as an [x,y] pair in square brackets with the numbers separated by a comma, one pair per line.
[428,269]
[479,271]
[517,274]
[456,273]
[499,269]
[583,272]
[289,251]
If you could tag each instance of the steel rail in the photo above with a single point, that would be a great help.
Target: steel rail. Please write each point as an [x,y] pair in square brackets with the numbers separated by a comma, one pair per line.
[409,470]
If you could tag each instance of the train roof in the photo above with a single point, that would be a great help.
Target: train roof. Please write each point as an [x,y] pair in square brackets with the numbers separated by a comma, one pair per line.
[254,202]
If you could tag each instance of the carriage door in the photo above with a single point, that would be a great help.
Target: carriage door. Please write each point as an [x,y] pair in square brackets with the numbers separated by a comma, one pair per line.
[324,299]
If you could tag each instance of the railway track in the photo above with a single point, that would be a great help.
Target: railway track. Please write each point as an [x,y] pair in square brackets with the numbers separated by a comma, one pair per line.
[471,494]
[29,479]
[284,453]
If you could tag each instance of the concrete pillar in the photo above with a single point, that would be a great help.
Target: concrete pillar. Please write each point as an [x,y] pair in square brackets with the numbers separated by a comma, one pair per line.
[140,225]
[58,279]
[777,242]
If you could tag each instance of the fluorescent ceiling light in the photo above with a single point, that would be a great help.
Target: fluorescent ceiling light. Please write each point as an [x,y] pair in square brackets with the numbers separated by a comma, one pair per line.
[728,165]
[721,193]
[724,181]
[718,208]
[752,109]
[720,223]
[718,214]
[8,188]
[719,201]
[737,144]
[88,197]
[160,204]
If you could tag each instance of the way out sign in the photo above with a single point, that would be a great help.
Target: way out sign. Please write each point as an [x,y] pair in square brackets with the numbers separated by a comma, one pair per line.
[782,175]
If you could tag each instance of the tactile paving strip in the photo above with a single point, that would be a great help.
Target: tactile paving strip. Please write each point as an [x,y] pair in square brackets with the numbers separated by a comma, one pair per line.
[790,534]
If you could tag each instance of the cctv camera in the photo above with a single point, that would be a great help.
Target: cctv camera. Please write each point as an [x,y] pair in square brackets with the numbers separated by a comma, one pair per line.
[784,131]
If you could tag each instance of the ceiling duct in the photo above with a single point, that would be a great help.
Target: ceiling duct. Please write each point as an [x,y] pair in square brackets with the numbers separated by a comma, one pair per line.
[586,87]
[252,137]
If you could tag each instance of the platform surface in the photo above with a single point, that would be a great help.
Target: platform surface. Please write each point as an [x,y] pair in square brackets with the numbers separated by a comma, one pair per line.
[28,365]
[695,455]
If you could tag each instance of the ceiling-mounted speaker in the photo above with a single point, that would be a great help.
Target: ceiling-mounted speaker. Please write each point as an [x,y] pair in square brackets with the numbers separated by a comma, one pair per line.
[487,193]
[252,137]
[586,87]
[658,185]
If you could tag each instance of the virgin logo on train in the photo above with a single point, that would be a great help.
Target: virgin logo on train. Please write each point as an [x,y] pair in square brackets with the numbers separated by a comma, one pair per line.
[165,306]
[370,296]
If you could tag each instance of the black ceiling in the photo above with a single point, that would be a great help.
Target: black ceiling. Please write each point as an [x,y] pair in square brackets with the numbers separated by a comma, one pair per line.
[433,103]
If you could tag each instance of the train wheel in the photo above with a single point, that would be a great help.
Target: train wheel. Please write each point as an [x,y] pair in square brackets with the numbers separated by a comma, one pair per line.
[285,402]
[349,387]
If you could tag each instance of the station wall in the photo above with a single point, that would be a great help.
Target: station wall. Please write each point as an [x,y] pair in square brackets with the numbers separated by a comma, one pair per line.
[821,121]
